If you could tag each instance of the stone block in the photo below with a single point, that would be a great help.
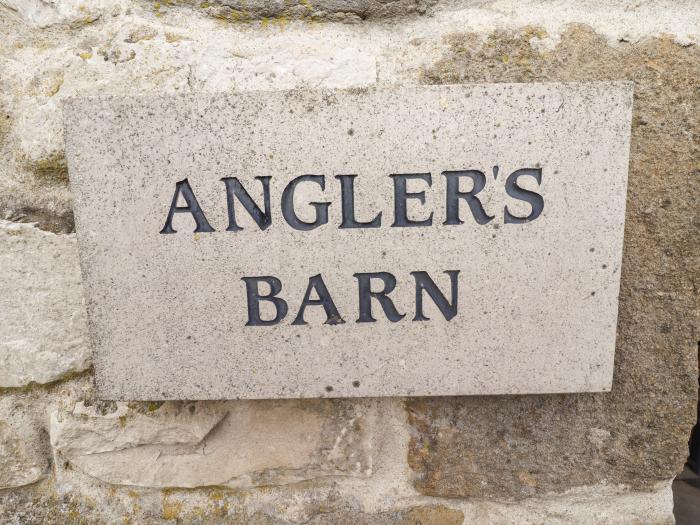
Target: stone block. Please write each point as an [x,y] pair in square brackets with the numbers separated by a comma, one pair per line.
[227,297]
[43,333]
[234,444]
[24,451]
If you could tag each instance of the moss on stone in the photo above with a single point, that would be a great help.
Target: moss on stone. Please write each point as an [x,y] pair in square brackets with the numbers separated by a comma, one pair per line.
[281,13]
[51,170]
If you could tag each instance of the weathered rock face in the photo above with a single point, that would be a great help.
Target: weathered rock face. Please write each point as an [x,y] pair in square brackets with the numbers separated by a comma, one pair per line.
[637,434]
[235,444]
[43,333]
[23,455]
[428,515]
[326,10]
[75,13]
[67,458]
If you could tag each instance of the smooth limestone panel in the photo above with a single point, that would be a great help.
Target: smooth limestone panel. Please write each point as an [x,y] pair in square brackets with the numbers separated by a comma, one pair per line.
[228,253]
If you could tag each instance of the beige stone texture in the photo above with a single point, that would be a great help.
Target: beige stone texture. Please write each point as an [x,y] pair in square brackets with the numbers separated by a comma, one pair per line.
[24,458]
[617,445]
[53,505]
[43,333]
[168,311]
[239,444]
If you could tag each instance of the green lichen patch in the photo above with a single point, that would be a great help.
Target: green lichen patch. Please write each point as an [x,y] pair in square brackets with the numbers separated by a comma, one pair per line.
[60,221]
[280,13]
[50,170]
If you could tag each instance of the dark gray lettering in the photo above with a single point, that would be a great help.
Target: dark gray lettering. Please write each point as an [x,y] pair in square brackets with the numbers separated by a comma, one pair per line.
[183,188]
[234,188]
[347,193]
[324,299]
[254,297]
[366,294]
[424,282]
[288,204]
[453,196]
[401,196]
[534,199]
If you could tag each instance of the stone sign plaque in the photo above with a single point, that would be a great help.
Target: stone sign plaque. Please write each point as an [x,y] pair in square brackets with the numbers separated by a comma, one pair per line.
[442,240]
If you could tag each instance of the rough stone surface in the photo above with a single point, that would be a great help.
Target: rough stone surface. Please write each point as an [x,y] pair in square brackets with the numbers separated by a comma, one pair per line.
[427,515]
[61,48]
[24,457]
[235,444]
[54,49]
[43,331]
[637,434]
[75,13]
[50,504]
[183,296]
[279,12]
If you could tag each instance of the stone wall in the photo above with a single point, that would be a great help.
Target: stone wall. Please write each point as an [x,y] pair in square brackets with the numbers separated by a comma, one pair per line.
[67,457]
